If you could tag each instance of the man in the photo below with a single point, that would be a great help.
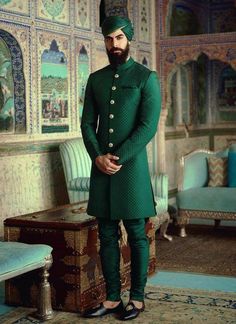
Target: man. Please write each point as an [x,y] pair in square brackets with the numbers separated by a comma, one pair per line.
[120,116]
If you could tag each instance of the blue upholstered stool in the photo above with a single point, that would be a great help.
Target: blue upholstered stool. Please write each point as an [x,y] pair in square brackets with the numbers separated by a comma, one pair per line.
[17,258]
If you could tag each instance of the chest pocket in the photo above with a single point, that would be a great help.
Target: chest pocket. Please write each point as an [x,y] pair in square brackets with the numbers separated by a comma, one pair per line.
[130,95]
[129,87]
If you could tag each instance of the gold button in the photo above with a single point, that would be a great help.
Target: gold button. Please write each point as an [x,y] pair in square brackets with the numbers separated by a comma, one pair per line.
[112,102]
[113,88]
[111,116]
[110,144]
[111,130]
[116,75]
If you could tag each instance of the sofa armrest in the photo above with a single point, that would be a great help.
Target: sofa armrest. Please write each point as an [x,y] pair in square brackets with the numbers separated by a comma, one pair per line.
[193,171]
[160,185]
[75,159]
[79,184]
[160,190]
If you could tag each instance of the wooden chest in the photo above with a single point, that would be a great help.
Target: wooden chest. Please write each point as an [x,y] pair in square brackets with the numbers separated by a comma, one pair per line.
[75,276]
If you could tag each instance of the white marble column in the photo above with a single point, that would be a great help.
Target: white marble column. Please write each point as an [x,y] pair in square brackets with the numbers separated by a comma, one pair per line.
[179,119]
[161,152]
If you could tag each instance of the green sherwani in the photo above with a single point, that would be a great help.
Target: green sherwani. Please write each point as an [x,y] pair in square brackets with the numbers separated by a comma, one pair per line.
[120,116]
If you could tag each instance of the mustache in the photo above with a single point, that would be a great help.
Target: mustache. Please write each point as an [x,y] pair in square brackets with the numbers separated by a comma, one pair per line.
[114,49]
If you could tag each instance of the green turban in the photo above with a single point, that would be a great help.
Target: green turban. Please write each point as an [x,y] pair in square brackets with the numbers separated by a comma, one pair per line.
[113,23]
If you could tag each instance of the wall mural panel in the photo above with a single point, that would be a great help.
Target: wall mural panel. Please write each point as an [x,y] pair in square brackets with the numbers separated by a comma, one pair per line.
[82,14]
[13,78]
[100,54]
[7,107]
[144,21]
[20,7]
[82,71]
[54,79]
[54,10]
[145,59]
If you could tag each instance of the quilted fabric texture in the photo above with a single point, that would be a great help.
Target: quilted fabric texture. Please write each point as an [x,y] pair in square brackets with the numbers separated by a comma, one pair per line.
[120,116]
[217,168]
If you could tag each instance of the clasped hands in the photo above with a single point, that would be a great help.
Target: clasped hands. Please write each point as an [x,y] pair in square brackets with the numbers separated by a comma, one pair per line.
[107,163]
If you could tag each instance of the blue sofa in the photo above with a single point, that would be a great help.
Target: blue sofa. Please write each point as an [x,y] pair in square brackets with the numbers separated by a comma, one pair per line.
[195,199]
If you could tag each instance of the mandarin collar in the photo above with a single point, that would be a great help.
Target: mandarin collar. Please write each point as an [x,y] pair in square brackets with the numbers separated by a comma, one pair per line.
[125,65]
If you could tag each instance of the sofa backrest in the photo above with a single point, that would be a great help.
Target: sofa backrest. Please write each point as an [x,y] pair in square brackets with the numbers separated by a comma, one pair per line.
[194,168]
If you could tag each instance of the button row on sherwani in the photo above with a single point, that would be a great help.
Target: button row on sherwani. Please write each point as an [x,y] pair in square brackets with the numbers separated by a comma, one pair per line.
[111,116]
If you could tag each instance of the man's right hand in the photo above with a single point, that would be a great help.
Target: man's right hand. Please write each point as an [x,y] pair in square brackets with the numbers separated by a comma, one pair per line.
[107,163]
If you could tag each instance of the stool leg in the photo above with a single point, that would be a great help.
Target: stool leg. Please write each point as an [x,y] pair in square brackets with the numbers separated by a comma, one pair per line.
[44,311]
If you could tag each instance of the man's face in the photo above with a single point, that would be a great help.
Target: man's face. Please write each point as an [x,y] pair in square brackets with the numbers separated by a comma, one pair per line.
[117,47]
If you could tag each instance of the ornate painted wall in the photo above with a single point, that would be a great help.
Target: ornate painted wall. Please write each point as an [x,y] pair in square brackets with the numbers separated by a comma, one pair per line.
[198,75]
[47,50]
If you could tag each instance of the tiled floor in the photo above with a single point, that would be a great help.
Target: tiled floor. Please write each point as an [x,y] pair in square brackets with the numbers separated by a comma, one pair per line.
[171,279]
[194,281]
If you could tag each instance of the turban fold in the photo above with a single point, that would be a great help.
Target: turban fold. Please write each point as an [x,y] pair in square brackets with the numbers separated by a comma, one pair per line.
[113,23]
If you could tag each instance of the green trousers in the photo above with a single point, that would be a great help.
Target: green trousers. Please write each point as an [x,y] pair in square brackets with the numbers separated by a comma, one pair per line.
[110,256]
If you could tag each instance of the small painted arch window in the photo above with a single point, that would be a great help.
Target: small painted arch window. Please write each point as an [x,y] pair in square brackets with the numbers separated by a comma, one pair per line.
[12,86]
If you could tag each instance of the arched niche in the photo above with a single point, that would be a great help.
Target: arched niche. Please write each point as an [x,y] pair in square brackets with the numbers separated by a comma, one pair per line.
[12,86]
[199,17]
[201,92]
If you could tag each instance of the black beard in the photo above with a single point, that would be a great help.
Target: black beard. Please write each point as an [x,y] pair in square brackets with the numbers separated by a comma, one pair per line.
[116,59]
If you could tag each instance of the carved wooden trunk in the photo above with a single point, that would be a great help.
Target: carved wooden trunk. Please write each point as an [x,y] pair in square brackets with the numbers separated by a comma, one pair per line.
[75,276]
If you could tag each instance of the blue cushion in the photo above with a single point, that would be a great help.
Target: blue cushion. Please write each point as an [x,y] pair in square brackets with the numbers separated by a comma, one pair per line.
[220,199]
[232,147]
[232,169]
[16,255]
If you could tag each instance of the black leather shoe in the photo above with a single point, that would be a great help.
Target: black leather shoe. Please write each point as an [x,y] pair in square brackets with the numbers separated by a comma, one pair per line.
[131,312]
[102,311]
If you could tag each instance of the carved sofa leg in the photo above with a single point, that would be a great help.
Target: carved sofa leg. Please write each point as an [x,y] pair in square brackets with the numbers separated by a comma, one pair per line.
[182,232]
[44,311]
[182,220]
[163,229]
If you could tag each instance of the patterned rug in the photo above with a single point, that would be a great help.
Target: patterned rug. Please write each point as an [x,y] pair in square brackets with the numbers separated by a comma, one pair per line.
[163,305]
[205,250]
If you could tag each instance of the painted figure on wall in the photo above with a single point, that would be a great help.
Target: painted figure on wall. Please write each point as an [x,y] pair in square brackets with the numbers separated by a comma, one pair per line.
[54,89]
[6,90]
